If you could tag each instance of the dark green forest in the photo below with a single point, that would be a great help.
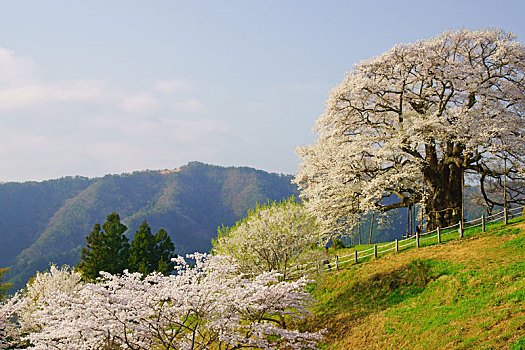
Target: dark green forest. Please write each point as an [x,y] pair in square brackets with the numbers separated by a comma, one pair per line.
[108,249]
[44,222]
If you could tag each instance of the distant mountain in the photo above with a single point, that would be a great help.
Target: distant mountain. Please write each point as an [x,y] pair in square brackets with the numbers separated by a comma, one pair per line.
[43,222]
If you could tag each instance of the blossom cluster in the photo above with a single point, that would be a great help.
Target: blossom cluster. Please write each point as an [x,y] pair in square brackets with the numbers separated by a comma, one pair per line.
[202,306]
[274,237]
[414,119]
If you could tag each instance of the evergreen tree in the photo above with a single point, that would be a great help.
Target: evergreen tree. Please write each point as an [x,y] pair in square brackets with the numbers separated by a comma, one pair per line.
[150,253]
[92,255]
[142,252]
[116,246]
[107,249]
[164,252]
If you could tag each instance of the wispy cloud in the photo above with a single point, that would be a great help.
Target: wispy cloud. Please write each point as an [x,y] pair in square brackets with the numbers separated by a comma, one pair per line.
[191,105]
[15,70]
[76,124]
[170,86]
[20,88]
[143,103]
[33,95]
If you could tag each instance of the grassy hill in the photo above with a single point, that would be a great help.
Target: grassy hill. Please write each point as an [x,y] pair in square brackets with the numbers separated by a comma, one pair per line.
[463,294]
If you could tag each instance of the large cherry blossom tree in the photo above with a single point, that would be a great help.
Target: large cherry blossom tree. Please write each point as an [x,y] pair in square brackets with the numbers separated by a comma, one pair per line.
[413,122]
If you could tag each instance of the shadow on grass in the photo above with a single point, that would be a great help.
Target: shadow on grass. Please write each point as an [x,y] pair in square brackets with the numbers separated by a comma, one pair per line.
[347,303]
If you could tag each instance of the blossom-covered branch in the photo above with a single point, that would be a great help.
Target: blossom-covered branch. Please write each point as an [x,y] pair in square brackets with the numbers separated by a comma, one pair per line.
[209,305]
[412,122]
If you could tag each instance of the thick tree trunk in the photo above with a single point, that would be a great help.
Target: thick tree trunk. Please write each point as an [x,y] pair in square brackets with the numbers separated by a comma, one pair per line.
[443,205]
[371,228]
[443,179]
[408,222]
[359,229]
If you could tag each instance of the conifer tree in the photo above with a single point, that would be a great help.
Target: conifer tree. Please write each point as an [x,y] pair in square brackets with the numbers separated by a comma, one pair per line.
[92,254]
[142,252]
[149,253]
[107,249]
[116,247]
[164,252]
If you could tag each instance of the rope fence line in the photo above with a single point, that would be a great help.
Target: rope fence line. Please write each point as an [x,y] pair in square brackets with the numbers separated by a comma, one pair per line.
[406,245]
[477,225]
[376,250]
[473,220]
[427,238]
[384,246]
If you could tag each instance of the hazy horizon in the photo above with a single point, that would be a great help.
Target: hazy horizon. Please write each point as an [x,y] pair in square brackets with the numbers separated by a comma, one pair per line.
[95,88]
[141,170]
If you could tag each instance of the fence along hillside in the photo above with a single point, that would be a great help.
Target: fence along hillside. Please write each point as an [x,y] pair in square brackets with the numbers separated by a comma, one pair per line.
[436,236]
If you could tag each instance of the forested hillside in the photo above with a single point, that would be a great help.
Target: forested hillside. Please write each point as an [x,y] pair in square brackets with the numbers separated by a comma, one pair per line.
[43,222]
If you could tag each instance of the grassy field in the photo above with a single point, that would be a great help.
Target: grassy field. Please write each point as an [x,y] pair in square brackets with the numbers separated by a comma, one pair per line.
[463,294]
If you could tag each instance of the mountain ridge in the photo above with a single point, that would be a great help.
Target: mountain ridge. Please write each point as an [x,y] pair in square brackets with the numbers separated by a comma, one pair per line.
[189,202]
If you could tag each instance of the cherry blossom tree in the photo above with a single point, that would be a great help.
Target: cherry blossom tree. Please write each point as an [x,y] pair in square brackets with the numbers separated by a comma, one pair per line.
[272,237]
[8,331]
[207,306]
[24,306]
[42,288]
[413,122]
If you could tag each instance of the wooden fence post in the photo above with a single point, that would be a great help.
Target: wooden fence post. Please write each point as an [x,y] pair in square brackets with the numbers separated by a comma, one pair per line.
[337,262]
[439,235]
[482,223]
[356,256]
[375,251]
[460,230]
[506,214]
[417,239]
[397,246]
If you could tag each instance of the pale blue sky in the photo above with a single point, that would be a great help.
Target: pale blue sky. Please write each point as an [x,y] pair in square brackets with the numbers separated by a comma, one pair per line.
[96,87]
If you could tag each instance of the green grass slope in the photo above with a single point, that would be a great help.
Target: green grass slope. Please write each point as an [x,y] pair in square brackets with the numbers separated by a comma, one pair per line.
[463,294]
